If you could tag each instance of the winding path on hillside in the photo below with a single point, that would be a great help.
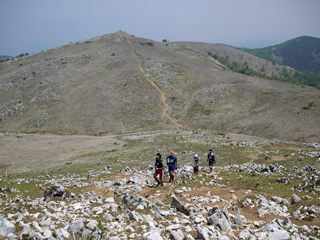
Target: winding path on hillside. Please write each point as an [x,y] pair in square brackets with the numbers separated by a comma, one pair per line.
[163,97]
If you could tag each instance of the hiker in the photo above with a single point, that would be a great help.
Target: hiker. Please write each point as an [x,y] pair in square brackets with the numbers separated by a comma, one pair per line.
[172,163]
[211,159]
[196,163]
[159,166]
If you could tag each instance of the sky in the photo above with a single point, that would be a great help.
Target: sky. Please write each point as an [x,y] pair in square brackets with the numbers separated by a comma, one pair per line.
[30,26]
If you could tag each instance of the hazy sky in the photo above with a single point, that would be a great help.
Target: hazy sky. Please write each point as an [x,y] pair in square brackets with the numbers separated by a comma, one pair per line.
[35,25]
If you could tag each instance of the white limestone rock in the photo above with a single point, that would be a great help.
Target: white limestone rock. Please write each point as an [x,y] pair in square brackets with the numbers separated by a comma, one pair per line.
[6,226]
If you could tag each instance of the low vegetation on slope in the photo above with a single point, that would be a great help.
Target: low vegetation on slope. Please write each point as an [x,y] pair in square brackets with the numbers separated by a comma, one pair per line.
[302,54]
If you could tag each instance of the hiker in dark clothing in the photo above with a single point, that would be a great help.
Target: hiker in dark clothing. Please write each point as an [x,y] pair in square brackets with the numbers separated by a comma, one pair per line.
[211,159]
[159,167]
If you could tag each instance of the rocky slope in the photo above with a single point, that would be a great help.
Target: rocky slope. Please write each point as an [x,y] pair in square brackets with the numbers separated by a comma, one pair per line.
[126,205]
[103,187]
[104,85]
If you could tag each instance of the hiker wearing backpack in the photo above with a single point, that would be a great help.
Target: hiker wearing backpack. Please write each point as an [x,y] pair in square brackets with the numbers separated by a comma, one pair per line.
[159,167]
[211,159]
[172,163]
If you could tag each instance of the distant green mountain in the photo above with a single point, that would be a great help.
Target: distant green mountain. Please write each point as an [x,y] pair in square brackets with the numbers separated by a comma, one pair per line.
[302,53]
[4,56]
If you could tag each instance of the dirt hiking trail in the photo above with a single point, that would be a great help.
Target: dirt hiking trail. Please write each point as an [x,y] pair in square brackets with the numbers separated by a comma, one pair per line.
[162,94]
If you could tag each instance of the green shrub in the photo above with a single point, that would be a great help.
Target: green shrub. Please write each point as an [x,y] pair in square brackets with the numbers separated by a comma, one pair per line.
[310,105]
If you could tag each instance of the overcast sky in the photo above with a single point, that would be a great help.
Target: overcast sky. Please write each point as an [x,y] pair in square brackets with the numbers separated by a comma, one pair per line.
[35,25]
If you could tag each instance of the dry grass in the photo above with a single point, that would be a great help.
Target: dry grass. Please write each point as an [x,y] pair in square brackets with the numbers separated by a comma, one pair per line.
[29,152]
[99,87]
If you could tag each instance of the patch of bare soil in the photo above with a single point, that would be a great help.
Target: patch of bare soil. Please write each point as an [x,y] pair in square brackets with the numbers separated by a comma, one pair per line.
[267,160]
[44,151]
[294,148]
[253,157]
[309,222]
[100,191]
[279,159]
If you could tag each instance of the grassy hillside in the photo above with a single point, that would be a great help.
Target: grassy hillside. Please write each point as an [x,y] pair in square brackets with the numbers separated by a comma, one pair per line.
[302,53]
[119,83]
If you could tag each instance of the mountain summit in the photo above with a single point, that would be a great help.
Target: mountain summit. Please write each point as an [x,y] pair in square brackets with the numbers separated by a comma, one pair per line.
[120,83]
[302,53]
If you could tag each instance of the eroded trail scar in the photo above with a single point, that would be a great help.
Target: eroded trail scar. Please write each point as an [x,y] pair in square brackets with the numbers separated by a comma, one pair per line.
[162,94]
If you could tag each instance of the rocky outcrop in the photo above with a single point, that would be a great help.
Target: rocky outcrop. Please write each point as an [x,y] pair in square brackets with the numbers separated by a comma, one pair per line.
[53,191]
[177,205]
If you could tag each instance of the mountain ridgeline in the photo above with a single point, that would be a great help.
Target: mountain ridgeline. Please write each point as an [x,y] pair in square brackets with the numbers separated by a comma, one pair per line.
[120,83]
[302,54]
[5,56]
